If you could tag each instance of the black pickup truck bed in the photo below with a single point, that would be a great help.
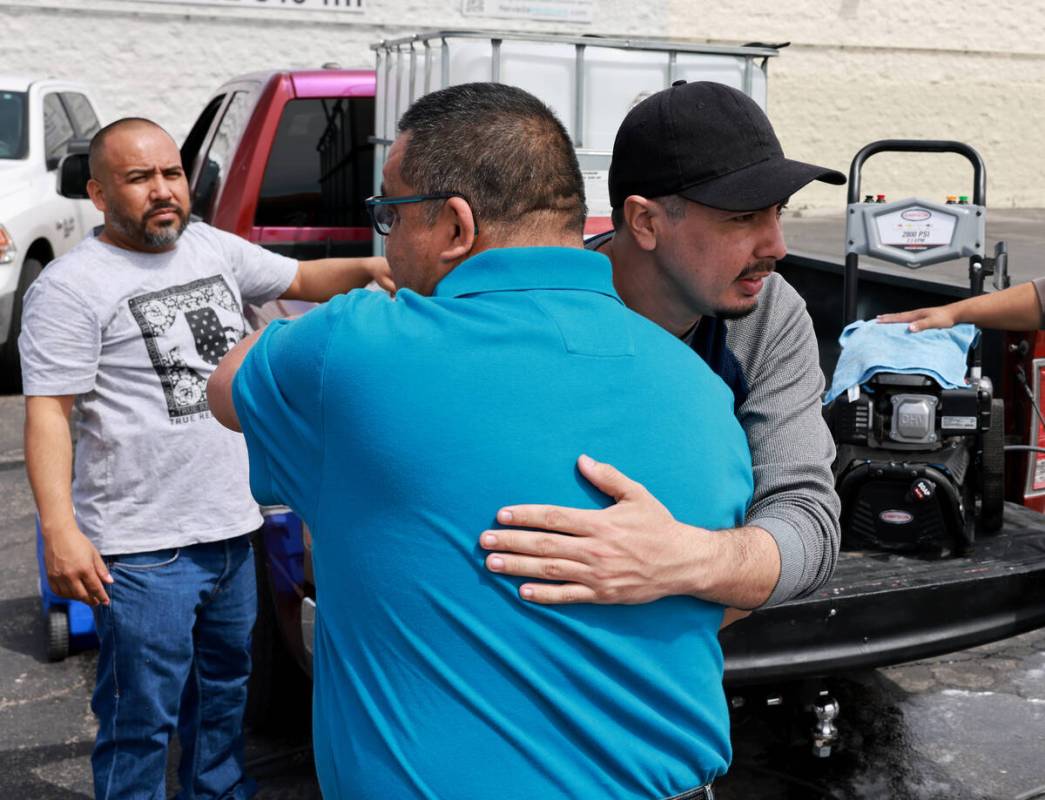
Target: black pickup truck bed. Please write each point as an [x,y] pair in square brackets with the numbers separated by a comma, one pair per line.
[881,609]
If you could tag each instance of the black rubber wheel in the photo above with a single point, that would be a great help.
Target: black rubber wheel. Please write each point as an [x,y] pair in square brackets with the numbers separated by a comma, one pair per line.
[992,471]
[279,694]
[57,634]
[10,363]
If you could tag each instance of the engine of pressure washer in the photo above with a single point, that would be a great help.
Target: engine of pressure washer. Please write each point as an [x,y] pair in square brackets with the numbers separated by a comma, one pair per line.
[905,447]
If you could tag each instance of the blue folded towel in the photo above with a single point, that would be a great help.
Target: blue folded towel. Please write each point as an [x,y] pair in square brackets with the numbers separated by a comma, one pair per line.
[869,347]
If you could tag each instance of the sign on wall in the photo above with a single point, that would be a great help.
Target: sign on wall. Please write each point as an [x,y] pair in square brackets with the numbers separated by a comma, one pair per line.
[548,10]
[271,5]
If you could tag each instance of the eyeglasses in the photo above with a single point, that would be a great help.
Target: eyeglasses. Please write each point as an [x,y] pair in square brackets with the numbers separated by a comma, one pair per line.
[382,209]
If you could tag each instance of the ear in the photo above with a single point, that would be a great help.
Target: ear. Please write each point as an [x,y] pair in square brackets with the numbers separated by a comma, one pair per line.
[464,231]
[639,216]
[94,191]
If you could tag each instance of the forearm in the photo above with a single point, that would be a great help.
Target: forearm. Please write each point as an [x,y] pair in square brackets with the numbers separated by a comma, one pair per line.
[49,462]
[1016,308]
[219,386]
[738,567]
[319,280]
[74,567]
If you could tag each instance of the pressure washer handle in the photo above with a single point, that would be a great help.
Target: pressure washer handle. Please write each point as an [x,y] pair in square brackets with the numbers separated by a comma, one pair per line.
[850,277]
[1001,266]
[977,277]
[979,190]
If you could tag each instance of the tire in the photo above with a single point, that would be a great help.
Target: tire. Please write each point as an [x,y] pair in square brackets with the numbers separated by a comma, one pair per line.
[279,694]
[57,634]
[992,471]
[10,363]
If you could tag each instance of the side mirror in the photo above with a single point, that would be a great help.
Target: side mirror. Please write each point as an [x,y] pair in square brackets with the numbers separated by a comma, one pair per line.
[73,174]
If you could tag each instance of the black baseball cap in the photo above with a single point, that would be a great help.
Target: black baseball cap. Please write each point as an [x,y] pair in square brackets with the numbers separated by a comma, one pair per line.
[710,143]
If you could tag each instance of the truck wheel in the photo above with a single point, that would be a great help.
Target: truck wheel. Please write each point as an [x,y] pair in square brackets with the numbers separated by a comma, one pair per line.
[10,363]
[57,634]
[279,695]
[992,471]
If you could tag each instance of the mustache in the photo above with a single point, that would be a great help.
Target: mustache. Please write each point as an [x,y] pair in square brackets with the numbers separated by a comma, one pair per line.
[164,206]
[761,267]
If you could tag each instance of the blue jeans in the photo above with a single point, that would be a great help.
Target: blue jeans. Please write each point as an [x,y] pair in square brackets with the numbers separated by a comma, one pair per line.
[174,655]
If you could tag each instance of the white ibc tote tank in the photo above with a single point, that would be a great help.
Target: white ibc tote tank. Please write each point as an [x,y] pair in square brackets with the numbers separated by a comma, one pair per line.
[590,82]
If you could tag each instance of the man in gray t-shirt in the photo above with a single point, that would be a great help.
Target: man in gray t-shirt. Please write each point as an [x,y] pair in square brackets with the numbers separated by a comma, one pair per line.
[153,530]
[133,336]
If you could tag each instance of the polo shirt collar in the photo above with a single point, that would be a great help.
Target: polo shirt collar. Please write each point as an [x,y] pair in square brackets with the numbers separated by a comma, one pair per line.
[508,269]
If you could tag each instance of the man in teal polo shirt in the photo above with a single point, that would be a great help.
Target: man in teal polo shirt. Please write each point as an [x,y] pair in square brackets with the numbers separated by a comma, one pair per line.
[395,426]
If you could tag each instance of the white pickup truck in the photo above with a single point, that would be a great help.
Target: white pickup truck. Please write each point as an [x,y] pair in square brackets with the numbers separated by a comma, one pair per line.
[38,120]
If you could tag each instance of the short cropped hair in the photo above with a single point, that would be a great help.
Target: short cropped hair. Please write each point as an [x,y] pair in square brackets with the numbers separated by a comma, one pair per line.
[94,152]
[498,146]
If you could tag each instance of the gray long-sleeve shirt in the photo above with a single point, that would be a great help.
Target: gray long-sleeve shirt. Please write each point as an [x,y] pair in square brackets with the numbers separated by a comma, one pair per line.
[791,447]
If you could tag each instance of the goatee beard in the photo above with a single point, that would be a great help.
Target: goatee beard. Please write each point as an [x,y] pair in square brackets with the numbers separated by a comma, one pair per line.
[137,231]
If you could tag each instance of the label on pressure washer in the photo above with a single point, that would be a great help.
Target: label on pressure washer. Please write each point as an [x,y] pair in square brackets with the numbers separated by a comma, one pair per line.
[959,423]
[915,228]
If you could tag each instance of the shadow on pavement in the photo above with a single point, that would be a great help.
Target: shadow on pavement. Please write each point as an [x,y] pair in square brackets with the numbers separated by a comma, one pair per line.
[21,627]
[283,768]
[18,768]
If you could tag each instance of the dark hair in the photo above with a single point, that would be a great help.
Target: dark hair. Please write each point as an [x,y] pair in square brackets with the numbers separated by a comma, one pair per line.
[94,153]
[498,146]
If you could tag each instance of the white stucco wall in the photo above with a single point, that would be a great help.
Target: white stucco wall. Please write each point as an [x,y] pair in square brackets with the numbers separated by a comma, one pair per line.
[857,70]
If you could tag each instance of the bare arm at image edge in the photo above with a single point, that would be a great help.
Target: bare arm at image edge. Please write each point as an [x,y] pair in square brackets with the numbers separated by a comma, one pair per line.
[1018,308]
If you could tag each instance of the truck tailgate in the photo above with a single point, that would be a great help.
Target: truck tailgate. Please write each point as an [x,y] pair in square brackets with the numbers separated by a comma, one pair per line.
[880,609]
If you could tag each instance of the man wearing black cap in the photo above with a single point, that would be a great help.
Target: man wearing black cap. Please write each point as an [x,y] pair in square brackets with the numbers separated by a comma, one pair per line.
[697,184]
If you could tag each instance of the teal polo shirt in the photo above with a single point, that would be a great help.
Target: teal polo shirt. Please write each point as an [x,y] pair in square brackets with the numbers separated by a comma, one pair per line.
[396,428]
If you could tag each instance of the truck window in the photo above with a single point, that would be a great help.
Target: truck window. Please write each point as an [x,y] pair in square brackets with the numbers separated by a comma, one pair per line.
[58,129]
[82,113]
[216,160]
[321,167]
[14,132]
[190,149]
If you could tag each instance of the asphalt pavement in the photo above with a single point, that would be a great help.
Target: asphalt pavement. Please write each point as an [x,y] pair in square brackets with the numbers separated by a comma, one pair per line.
[967,726]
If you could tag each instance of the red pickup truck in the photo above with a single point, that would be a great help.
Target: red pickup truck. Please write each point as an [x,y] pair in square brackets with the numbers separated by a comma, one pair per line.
[286,159]
[283,159]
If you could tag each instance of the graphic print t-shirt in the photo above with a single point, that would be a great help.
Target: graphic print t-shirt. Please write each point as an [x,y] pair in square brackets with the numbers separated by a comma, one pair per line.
[135,336]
